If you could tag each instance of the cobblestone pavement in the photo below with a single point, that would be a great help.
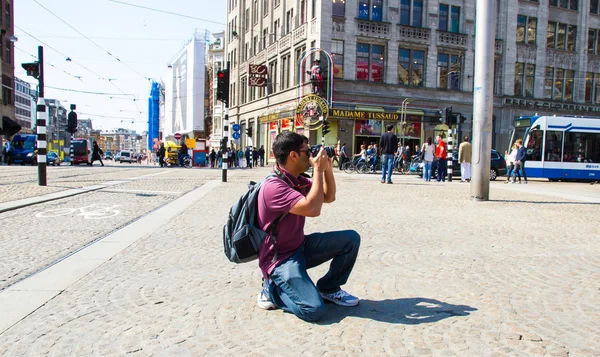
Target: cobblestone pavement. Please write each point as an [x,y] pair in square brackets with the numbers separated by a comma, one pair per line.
[34,236]
[438,274]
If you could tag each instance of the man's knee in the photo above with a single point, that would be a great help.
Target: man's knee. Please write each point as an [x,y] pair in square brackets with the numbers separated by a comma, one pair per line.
[353,237]
[312,313]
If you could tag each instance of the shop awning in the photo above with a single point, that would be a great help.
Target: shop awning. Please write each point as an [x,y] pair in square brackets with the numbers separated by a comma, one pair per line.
[9,127]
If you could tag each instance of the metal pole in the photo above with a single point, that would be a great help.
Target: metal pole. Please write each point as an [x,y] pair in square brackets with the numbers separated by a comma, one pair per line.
[41,123]
[483,100]
[449,151]
[225,139]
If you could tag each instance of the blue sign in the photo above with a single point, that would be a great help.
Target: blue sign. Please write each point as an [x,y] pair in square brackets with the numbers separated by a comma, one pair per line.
[236,134]
[236,127]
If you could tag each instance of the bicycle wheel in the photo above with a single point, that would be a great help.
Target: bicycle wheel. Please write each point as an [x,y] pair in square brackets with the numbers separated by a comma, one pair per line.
[362,168]
[348,167]
[100,213]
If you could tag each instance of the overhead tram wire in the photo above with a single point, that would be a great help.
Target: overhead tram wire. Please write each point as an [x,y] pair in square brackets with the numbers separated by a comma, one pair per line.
[90,40]
[60,53]
[50,64]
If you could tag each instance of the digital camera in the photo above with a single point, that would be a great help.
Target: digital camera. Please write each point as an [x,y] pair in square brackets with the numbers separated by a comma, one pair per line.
[314,150]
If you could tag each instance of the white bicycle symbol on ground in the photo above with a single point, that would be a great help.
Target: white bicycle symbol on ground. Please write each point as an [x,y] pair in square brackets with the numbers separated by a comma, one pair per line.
[88,212]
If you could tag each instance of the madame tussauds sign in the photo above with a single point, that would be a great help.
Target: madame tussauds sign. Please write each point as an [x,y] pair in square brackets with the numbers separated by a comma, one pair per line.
[359,114]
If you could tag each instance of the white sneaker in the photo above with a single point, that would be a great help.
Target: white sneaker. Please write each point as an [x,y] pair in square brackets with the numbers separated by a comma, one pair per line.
[264,299]
[341,298]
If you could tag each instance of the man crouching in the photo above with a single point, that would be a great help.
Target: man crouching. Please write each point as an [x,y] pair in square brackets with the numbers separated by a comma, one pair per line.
[284,260]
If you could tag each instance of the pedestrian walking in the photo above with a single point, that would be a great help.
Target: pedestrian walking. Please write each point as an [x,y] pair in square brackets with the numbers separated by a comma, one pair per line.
[464,158]
[212,156]
[428,153]
[254,157]
[6,151]
[248,158]
[261,154]
[183,151]
[96,154]
[161,155]
[441,153]
[344,156]
[389,144]
[510,162]
[284,265]
[520,161]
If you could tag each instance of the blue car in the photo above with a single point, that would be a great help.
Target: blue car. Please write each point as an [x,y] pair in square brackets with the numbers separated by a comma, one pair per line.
[52,158]
[22,150]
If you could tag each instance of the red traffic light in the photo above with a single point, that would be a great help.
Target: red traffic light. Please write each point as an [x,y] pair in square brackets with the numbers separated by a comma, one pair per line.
[221,75]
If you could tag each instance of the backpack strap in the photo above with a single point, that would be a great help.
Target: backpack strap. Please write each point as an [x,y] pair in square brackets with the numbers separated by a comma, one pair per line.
[271,230]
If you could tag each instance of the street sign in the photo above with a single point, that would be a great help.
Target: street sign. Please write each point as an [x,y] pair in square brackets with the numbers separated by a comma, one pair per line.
[235,127]
[177,136]
[236,134]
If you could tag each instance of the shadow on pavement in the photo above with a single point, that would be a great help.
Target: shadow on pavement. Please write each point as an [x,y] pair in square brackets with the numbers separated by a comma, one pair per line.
[547,202]
[408,311]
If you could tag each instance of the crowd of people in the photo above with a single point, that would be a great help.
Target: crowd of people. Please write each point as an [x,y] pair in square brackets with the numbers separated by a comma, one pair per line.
[238,158]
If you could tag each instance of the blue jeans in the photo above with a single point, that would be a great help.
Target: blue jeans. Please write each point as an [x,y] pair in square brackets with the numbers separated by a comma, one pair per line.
[387,163]
[442,169]
[292,289]
[427,170]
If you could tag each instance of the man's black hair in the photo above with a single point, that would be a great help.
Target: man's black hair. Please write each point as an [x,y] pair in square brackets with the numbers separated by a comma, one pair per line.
[390,127]
[285,143]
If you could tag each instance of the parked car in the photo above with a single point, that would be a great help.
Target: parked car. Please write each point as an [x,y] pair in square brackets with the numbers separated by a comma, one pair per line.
[497,168]
[22,150]
[108,155]
[125,156]
[53,159]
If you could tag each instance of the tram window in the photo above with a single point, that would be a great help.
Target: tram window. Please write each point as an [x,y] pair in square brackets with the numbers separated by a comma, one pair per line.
[582,147]
[553,147]
[534,145]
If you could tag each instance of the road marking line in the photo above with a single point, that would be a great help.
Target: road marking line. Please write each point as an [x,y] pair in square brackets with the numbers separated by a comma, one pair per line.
[23,298]
[149,175]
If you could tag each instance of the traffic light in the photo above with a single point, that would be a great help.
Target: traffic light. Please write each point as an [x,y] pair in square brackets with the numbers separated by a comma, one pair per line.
[72,123]
[448,116]
[325,127]
[33,69]
[223,86]
[249,132]
[223,144]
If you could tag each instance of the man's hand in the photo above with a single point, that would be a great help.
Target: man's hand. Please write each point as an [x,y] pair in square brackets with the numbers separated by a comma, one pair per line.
[320,162]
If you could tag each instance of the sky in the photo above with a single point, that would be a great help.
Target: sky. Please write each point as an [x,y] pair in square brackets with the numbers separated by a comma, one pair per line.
[125,46]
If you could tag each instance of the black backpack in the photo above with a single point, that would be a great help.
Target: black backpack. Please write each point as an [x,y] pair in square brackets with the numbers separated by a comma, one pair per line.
[242,237]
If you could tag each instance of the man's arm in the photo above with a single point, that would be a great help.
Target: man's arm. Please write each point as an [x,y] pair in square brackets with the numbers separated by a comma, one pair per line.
[310,206]
[329,184]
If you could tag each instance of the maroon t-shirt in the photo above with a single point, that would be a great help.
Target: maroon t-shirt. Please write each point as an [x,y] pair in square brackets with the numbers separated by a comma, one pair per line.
[275,198]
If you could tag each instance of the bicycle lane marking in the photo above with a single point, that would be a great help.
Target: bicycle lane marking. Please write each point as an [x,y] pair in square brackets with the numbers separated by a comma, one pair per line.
[26,296]
[98,213]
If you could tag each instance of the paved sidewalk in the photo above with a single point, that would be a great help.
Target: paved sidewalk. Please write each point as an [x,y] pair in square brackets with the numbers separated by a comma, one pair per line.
[438,274]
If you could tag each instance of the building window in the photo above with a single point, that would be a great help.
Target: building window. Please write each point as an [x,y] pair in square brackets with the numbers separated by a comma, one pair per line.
[558,84]
[370,62]
[526,29]
[561,36]
[254,45]
[524,79]
[594,7]
[411,13]
[449,71]
[273,77]
[277,3]
[285,67]
[567,4]
[298,56]
[593,41]
[449,18]
[411,64]
[247,20]
[337,51]
[243,90]
[255,12]
[265,7]
[592,88]
[7,98]
[339,8]
[288,21]
[265,34]
[370,10]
